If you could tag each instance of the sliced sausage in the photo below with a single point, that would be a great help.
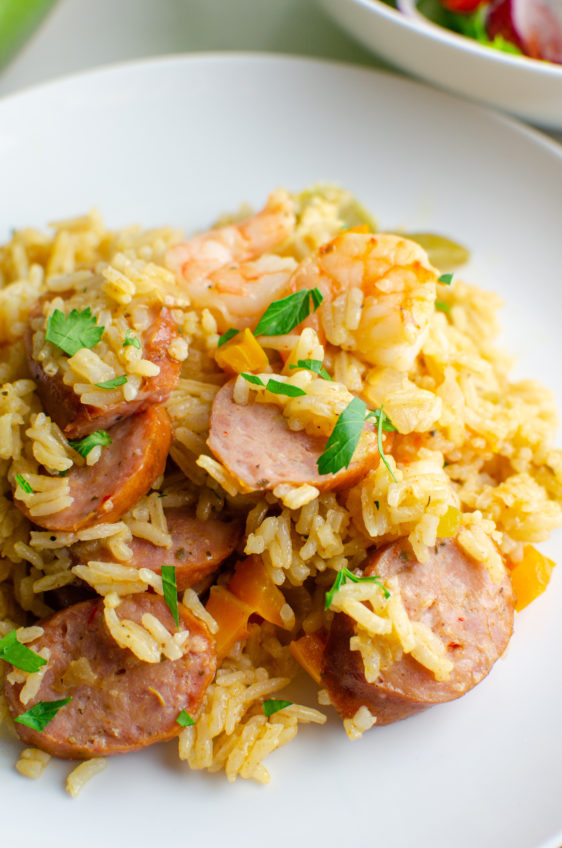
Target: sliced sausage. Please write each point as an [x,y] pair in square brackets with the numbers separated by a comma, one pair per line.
[119,703]
[198,547]
[76,419]
[257,447]
[456,598]
[123,474]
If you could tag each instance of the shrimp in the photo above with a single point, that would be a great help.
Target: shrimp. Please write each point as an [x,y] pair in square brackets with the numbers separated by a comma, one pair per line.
[230,271]
[379,293]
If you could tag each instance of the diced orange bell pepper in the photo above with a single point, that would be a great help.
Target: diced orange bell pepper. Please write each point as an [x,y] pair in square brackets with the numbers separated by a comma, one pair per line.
[449,523]
[253,585]
[231,615]
[531,576]
[309,653]
[242,353]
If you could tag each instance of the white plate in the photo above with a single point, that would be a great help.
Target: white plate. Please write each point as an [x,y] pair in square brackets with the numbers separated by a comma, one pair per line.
[178,141]
[528,88]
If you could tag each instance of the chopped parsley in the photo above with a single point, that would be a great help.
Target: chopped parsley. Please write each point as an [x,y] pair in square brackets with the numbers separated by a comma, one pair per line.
[74,332]
[184,719]
[344,438]
[276,387]
[284,315]
[39,716]
[379,443]
[442,306]
[170,588]
[113,384]
[315,365]
[227,336]
[23,484]
[345,575]
[446,279]
[88,443]
[18,655]
[377,414]
[273,705]
[131,340]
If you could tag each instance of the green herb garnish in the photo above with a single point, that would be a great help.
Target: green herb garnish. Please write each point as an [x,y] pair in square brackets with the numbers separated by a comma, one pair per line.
[227,336]
[446,279]
[88,443]
[113,384]
[131,340]
[251,378]
[379,443]
[75,332]
[315,365]
[442,306]
[39,716]
[276,387]
[23,484]
[387,424]
[185,720]
[345,575]
[344,438]
[19,655]
[170,588]
[273,705]
[284,315]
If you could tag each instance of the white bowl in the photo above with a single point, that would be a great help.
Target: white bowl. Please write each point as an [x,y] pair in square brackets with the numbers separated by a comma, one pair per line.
[525,87]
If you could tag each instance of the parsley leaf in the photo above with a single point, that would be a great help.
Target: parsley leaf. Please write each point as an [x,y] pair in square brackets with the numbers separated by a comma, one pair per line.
[446,279]
[184,719]
[379,443]
[88,443]
[284,315]
[387,424]
[75,332]
[39,716]
[278,387]
[273,705]
[251,378]
[23,484]
[171,591]
[227,336]
[313,365]
[113,384]
[344,438]
[18,655]
[345,575]
[131,340]
[442,306]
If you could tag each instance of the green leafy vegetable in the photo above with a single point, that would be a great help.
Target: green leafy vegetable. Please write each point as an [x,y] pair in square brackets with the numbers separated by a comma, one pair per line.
[226,337]
[273,705]
[184,719]
[379,442]
[344,438]
[387,424]
[251,378]
[39,716]
[284,315]
[75,332]
[88,443]
[170,588]
[18,655]
[113,384]
[23,484]
[277,387]
[131,340]
[442,306]
[315,365]
[446,279]
[345,575]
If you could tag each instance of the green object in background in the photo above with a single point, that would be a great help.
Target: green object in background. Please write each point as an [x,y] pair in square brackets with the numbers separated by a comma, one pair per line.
[18,19]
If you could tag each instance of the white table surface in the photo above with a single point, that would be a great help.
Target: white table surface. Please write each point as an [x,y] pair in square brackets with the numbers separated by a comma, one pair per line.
[82,34]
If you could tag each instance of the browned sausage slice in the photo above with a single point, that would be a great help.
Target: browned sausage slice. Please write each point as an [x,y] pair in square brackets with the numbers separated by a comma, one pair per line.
[123,474]
[257,447]
[123,703]
[453,595]
[76,419]
[198,547]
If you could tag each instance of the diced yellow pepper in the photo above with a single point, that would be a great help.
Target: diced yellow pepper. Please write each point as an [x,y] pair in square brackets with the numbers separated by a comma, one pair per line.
[242,353]
[448,523]
[531,576]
